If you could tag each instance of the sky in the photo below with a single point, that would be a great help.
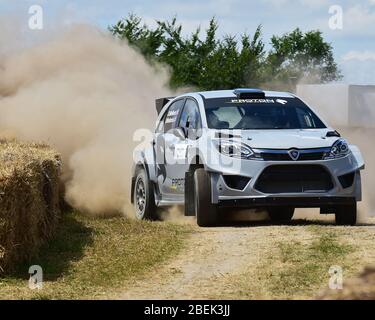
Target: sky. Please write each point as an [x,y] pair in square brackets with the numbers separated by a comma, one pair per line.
[353,40]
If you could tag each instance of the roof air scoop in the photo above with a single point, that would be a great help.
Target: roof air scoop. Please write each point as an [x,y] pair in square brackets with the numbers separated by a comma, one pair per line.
[249,93]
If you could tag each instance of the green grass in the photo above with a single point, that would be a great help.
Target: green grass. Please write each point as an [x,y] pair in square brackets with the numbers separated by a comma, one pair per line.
[296,270]
[92,257]
[306,268]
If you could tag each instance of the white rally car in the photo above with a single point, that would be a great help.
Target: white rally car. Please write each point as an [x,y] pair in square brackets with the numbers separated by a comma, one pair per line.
[245,148]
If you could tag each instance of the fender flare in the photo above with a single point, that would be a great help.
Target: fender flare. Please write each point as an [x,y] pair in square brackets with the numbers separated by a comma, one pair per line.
[358,157]
[138,165]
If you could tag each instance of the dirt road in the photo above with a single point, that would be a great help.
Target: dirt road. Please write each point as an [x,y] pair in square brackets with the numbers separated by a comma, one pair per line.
[222,262]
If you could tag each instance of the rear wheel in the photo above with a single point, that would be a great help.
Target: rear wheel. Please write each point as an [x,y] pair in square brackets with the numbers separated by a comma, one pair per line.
[346,214]
[205,210]
[144,200]
[281,214]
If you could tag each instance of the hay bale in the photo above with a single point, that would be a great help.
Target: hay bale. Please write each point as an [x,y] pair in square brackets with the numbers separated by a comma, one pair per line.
[29,199]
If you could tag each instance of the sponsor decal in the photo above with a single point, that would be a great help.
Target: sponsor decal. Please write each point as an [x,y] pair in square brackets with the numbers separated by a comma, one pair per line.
[282,101]
[178,184]
[171,116]
[172,113]
[252,101]
[180,152]
[170,119]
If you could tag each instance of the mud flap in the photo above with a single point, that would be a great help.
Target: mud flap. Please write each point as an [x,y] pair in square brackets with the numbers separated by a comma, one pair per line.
[189,194]
[358,185]
[132,190]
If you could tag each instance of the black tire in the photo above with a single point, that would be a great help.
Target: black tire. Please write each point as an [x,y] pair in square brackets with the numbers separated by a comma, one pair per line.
[144,201]
[281,214]
[346,214]
[205,210]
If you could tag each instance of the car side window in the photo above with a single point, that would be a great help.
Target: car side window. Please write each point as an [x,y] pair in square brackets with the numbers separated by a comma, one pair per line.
[190,117]
[305,118]
[172,114]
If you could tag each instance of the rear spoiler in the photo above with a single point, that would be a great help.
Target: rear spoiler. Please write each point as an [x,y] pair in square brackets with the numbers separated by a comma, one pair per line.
[161,102]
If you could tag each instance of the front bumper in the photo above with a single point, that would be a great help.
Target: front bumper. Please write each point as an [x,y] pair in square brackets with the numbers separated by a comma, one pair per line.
[249,196]
[296,202]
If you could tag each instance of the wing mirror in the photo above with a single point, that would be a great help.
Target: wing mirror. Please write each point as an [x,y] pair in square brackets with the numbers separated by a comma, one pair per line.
[181,132]
[185,133]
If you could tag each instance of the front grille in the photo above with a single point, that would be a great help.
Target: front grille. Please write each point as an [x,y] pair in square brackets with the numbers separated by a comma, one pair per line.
[267,156]
[294,179]
[283,155]
[308,156]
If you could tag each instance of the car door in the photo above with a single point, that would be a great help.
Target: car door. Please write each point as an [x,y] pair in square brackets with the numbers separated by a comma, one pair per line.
[165,141]
[183,138]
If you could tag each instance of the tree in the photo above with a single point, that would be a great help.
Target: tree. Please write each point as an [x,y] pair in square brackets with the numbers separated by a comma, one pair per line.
[146,40]
[212,63]
[204,64]
[301,57]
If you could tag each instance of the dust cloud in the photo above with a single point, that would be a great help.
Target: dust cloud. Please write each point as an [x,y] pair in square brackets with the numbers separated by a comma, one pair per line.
[176,214]
[84,93]
[363,138]
[354,118]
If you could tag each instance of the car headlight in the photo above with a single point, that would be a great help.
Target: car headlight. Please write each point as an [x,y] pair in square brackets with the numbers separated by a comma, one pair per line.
[339,149]
[234,149]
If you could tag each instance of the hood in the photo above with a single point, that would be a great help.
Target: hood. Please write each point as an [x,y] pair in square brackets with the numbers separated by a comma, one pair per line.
[287,139]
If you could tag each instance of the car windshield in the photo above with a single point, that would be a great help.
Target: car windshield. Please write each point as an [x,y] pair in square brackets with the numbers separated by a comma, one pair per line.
[267,113]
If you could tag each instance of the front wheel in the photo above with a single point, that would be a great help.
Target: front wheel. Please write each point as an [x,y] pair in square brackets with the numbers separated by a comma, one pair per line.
[205,210]
[346,214]
[281,214]
[144,200]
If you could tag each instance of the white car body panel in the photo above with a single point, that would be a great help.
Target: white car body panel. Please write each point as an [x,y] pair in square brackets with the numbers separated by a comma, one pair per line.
[286,139]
